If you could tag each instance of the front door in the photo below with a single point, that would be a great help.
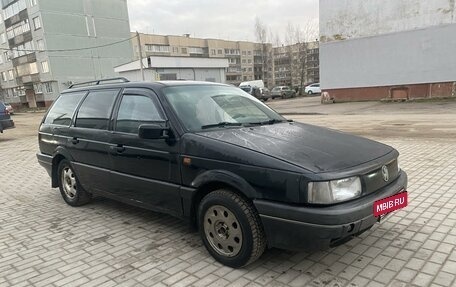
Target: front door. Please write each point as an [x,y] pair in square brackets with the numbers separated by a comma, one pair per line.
[144,171]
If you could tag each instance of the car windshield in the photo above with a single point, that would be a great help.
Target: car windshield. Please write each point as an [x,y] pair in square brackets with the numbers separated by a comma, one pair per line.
[201,107]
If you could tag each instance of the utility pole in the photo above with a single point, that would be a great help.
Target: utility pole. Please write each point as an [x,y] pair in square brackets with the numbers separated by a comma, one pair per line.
[140,56]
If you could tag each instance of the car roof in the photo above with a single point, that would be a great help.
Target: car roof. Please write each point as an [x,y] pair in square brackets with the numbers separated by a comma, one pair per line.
[154,85]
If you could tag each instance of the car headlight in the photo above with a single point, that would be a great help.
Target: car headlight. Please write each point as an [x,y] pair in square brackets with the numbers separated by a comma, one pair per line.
[333,191]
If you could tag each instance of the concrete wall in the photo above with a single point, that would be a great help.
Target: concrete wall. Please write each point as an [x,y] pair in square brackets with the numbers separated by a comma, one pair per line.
[413,57]
[183,74]
[347,19]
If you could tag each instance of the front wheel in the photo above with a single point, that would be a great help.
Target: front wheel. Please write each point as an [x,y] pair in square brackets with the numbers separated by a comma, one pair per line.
[230,228]
[309,92]
[69,186]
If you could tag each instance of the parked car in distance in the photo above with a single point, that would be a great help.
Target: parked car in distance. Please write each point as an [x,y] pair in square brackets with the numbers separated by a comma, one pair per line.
[5,119]
[10,108]
[266,94]
[252,90]
[282,92]
[211,154]
[313,89]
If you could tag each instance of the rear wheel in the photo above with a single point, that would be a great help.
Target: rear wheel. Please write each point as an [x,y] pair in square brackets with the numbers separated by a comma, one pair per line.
[230,228]
[69,186]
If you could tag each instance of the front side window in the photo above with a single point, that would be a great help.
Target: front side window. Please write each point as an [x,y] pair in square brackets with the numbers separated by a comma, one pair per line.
[136,110]
[95,111]
[63,109]
[199,107]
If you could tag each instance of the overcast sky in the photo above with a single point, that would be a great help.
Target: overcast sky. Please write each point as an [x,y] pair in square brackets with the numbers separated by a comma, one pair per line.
[232,20]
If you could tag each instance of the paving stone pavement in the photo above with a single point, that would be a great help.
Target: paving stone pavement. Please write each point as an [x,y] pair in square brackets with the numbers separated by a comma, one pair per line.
[44,242]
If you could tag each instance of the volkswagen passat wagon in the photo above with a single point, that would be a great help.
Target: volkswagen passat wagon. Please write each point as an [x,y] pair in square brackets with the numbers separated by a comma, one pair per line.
[246,177]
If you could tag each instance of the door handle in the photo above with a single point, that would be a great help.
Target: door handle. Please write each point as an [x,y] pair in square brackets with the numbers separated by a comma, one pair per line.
[119,148]
[74,141]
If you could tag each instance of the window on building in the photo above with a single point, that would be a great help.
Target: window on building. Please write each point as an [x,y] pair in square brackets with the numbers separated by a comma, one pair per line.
[195,50]
[40,44]
[33,3]
[4,77]
[244,53]
[157,48]
[175,49]
[95,111]
[212,51]
[136,110]
[250,69]
[45,66]
[184,50]
[3,38]
[33,68]
[249,53]
[7,56]
[1,59]
[48,87]
[38,88]
[37,22]
[220,51]
[249,61]
[10,75]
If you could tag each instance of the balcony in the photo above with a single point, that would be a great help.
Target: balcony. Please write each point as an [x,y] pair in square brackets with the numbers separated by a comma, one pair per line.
[21,16]
[28,79]
[20,39]
[30,58]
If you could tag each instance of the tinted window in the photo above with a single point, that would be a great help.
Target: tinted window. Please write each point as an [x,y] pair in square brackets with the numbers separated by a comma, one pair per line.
[63,109]
[95,111]
[136,110]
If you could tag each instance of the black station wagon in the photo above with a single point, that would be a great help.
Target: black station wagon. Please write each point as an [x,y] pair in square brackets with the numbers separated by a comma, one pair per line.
[246,177]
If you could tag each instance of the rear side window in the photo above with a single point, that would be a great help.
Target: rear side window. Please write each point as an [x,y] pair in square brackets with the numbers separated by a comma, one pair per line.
[95,111]
[63,109]
[134,111]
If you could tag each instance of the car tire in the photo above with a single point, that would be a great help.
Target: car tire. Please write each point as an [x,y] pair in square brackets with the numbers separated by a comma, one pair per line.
[70,188]
[309,92]
[230,228]
[283,96]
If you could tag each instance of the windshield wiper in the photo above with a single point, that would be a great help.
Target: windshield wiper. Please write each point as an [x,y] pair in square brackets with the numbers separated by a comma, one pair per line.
[221,124]
[268,122]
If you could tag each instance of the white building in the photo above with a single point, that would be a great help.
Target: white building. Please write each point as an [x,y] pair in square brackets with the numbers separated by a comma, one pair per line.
[376,49]
[162,68]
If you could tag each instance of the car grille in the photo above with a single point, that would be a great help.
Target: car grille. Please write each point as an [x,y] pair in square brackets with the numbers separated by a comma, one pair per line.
[374,180]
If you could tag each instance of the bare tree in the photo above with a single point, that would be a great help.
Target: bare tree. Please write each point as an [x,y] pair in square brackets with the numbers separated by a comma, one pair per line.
[302,36]
[261,35]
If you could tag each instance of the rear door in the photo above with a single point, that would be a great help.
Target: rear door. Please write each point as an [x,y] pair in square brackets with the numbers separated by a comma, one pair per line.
[89,139]
[144,170]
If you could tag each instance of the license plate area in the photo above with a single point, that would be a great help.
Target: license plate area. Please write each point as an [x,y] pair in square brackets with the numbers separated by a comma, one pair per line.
[389,204]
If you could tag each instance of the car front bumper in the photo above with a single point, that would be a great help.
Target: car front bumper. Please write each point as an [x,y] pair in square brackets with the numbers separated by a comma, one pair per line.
[296,227]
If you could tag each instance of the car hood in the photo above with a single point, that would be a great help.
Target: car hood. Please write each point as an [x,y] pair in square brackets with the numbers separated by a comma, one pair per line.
[313,148]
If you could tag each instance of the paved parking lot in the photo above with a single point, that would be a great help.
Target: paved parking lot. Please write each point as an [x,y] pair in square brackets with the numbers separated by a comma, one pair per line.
[44,242]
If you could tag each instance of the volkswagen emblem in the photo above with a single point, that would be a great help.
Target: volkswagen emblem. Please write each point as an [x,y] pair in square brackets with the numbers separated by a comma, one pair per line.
[385,173]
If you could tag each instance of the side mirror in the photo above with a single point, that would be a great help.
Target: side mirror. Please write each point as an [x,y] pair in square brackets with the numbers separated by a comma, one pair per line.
[154,131]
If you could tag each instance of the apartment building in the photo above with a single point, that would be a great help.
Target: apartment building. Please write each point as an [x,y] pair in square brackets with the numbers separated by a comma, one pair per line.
[247,60]
[296,65]
[44,46]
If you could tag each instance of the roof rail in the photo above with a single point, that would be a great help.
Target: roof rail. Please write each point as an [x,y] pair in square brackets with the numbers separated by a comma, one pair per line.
[98,82]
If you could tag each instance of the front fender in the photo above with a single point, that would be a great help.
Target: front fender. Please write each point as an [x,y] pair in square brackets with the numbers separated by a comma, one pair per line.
[226,177]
